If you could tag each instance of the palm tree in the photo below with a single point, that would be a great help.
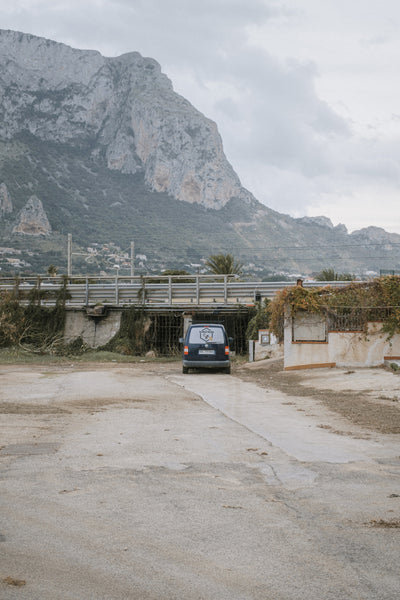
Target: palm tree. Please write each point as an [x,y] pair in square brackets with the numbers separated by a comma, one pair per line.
[52,271]
[223,264]
[331,275]
[327,275]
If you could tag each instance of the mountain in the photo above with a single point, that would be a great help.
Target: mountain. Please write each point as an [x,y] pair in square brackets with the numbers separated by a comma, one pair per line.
[103,148]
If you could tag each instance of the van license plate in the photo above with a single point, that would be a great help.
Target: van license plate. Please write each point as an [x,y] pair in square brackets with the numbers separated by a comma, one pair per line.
[210,352]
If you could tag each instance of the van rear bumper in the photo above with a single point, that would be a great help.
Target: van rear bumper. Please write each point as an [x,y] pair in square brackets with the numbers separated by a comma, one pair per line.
[206,364]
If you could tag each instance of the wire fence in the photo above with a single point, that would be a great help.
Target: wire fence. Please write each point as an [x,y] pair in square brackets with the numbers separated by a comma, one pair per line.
[350,318]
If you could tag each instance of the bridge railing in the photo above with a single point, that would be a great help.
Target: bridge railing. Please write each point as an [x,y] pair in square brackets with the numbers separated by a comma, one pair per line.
[162,291]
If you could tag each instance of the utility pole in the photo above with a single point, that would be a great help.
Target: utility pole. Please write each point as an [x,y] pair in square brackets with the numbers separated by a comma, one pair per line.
[69,255]
[132,259]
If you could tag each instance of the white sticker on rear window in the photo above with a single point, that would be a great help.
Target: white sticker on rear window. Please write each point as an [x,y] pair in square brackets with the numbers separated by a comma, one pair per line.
[206,334]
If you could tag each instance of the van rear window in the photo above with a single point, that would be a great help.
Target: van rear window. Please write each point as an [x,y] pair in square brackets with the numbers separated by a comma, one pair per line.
[205,335]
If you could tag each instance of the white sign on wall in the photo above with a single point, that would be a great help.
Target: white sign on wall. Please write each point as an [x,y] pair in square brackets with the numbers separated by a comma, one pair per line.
[308,327]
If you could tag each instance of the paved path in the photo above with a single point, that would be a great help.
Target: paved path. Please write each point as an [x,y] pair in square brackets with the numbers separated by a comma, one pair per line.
[266,413]
[120,483]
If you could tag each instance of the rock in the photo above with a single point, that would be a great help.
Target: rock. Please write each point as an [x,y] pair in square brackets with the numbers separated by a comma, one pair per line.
[6,206]
[32,219]
[322,221]
[125,108]
[373,234]
[341,228]
[96,311]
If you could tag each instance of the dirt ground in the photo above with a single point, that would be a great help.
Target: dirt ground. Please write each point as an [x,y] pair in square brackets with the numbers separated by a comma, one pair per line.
[367,398]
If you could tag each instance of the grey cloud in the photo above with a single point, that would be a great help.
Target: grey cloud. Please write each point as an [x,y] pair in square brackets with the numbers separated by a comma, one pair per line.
[230,109]
[371,160]
[167,30]
[378,40]
[286,124]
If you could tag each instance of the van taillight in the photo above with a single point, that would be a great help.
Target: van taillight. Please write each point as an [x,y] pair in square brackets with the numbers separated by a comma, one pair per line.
[227,350]
[186,350]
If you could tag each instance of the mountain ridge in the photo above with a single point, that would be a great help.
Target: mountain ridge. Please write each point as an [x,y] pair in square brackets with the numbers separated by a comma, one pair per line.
[109,149]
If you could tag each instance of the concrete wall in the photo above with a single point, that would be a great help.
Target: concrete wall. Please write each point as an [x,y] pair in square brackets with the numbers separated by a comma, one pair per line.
[342,349]
[271,351]
[95,331]
[309,327]
[262,349]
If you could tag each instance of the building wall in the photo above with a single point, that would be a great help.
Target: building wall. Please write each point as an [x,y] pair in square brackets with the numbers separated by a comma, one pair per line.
[342,348]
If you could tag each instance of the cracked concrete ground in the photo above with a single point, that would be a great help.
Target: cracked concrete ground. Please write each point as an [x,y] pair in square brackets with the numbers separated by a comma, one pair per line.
[135,482]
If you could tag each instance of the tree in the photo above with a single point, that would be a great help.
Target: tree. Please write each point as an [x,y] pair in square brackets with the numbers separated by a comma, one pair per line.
[172,273]
[175,272]
[52,271]
[223,264]
[346,277]
[260,320]
[331,275]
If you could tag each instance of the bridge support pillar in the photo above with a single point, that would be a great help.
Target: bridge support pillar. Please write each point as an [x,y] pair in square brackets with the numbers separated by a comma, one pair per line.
[95,331]
[187,321]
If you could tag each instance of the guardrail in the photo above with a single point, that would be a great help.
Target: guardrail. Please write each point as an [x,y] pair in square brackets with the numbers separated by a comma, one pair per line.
[156,291]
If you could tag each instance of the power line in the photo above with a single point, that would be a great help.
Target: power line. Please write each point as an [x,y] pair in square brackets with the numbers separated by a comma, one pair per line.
[268,248]
[153,253]
[255,252]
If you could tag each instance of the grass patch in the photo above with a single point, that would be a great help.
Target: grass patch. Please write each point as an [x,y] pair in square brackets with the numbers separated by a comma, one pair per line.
[16,355]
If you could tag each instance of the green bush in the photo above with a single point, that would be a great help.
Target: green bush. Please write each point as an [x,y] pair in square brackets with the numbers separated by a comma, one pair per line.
[260,320]
[12,320]
[41,328]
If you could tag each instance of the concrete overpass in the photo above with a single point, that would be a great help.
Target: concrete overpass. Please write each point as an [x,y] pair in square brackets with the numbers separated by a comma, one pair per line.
[151,292]
[95,304]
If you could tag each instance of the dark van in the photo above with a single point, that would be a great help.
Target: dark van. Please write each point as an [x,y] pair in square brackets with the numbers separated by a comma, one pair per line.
[206,347]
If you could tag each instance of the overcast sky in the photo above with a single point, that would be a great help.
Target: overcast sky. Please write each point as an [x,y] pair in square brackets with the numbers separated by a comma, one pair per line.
[305,92]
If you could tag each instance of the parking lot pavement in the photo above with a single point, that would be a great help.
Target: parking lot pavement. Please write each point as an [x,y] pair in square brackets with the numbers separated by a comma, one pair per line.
[298,433]
[119,483]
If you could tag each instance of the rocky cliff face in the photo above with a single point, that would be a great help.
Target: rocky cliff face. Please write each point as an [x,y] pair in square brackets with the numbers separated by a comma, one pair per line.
[6,206]
[124,108]
[32,219]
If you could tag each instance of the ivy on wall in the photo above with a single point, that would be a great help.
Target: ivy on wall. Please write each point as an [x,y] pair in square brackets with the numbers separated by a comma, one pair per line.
[133,334]
[375,300]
